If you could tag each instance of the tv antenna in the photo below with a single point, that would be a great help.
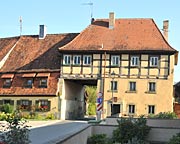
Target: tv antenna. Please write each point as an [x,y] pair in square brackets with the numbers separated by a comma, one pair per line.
[20,21]
[91,7]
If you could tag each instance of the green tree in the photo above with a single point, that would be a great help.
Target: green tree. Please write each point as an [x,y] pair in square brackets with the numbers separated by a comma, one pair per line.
[131,130]
[91,99]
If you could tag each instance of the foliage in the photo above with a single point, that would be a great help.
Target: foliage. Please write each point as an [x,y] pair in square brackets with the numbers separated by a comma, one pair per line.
[92,95]
[16,131]
[175,139]
[7,108]
[91,109]
[50,116]
[131,130]
[164,115]
[99,139]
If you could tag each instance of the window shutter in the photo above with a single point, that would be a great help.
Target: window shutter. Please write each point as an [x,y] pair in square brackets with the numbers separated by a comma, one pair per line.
[49,105]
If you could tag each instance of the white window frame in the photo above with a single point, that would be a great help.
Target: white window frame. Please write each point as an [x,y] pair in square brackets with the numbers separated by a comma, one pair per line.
[113,85]
[115,60]
[134,60]
[154,61]
[87,59]
[132,86]
[76,60]
[152,87]
[131,109]
[151,109]
[67,59]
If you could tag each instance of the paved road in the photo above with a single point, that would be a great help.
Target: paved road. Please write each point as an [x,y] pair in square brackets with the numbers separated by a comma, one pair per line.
[51,134]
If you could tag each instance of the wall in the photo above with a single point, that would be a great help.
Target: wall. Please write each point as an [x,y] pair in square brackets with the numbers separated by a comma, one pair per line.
[161,131]
[72,100]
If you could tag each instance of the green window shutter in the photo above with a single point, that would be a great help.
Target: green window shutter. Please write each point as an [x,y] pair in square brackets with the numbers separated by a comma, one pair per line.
[49,105]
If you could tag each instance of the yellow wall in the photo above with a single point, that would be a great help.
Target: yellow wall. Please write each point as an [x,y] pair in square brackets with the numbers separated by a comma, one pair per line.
[142,74]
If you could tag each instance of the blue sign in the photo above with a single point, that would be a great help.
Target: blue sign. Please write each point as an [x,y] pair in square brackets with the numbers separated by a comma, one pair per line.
[99,100]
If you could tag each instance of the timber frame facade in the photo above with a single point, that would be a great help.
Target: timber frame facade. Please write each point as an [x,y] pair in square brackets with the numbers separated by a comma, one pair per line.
[129,60]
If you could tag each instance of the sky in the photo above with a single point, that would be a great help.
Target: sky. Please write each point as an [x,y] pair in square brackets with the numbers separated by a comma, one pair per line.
[69,16]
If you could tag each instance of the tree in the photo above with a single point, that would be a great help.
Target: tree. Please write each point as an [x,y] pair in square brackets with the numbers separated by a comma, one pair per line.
[131,130]
[91,99]
[16,131]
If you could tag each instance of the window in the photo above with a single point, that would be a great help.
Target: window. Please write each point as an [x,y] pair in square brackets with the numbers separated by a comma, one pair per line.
[113,85]
[43,105]
[153,61]
[43,83]
[151,109]
[132,86]
[24,104]
[87,60]
[28,83]
[115,60]
[131,109]
[77,60]
[134,61]
[7,83]
[67,60]
[152,86]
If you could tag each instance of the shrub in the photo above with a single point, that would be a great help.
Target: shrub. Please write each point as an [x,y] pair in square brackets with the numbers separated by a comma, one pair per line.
[7,108]
[164,115]
[16,132]
[98,139]
[175,139]
[131,130]
[50,116]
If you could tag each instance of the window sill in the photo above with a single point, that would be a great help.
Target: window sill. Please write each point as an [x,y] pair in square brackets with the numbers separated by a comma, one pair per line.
[115,91]
[151,92]
[131,91]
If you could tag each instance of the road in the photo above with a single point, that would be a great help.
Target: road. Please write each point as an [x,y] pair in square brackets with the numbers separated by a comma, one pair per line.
[53,133]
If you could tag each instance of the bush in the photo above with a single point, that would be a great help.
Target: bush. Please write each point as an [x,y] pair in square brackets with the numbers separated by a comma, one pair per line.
[50,116]
[175,139]
[98,139]
[16,132]
[164,115]
[131,130]
[7,108]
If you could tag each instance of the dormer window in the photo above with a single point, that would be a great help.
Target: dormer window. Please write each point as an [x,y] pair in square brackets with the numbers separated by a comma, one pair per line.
[28,79]
[7,80]
[29,83]
[77,60]
[43,83]
[7,83]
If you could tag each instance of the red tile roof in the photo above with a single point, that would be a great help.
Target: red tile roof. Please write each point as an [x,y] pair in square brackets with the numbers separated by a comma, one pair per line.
[32,53]
[128,35]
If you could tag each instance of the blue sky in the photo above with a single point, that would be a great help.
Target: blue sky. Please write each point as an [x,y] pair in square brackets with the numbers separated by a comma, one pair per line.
[73,16]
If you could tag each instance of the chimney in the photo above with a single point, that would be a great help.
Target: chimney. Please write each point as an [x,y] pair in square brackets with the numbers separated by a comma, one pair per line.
[111,20]
[42,31]
[165,29]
